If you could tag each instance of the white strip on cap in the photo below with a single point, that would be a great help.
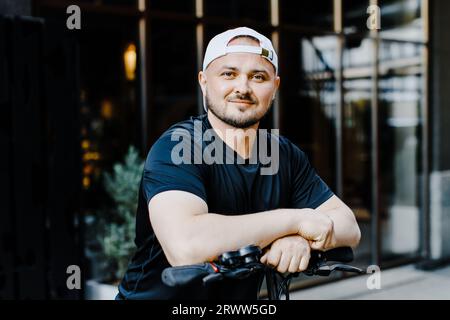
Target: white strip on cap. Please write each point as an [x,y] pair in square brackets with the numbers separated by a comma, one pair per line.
[218,46]
[238,48]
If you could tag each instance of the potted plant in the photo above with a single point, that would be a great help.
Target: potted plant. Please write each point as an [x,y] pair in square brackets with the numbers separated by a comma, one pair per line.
[112,231]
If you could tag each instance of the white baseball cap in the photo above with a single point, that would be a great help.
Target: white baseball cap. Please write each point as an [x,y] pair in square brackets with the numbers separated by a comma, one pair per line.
[218,46]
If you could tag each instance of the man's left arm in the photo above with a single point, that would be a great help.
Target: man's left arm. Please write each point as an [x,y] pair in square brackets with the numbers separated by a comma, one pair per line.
[310,191]
[346,232]
[290,254]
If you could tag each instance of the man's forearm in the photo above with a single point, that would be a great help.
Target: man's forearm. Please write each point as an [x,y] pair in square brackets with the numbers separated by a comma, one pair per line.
[346,232]
[212,234]
[189,234]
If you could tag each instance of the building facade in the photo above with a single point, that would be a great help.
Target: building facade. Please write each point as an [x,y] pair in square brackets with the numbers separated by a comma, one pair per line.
[363,92]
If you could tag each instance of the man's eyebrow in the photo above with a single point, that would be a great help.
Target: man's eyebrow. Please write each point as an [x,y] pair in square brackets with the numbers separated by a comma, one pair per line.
[258,70]
[251,71]
[229,67]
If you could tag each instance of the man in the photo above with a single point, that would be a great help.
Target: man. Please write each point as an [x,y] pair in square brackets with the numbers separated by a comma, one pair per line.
[191,212]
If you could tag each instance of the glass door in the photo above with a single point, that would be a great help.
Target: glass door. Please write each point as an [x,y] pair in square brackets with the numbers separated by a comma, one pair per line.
[400,125]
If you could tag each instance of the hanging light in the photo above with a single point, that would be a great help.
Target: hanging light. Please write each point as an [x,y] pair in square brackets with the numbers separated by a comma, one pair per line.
[106,108]
[129,58]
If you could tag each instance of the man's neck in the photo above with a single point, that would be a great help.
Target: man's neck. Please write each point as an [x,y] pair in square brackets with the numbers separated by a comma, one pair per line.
[240,140]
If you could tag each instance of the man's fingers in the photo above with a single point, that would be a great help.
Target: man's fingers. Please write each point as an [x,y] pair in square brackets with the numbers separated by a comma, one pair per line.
[263,259]
[284,263]
[286,254]
[318,245]
[303,263]
[273,258]
[294,265]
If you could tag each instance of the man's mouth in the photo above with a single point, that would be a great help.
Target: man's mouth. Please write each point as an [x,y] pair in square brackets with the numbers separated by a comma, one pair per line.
[241,101]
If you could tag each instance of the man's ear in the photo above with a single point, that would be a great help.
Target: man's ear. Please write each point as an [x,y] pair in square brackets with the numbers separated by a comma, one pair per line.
[277,85]
[202,81]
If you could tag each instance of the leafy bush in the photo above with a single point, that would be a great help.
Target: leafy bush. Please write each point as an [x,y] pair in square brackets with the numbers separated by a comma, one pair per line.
[116,226]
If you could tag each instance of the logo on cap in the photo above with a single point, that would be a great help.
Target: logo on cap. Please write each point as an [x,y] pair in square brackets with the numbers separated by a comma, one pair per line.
[266,53]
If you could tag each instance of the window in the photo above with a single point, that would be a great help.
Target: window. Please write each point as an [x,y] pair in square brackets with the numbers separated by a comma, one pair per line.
[173,76]
[308,98]
[354,16]
[400,102]
[401,20]
[109,100]
[244,10]
[178,6]
[308,14]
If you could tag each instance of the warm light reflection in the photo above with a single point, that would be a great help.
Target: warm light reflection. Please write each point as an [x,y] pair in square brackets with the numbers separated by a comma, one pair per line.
[86,182]
[85,144]
[129,58]
[91,156]
[106,109]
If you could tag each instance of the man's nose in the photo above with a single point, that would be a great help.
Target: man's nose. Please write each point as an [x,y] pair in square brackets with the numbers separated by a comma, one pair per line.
[242,85]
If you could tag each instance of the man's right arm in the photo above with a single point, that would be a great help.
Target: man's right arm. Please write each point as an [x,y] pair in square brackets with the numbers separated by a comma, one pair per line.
[189,234]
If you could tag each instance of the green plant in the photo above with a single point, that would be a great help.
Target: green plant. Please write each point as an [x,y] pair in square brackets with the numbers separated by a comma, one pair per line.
[116,225]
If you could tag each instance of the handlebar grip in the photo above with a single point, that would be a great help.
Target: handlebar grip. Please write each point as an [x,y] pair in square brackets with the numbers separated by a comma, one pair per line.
[183,275]
[342,254]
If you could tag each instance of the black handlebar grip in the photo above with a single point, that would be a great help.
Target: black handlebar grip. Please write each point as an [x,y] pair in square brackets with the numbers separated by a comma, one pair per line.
[342,254]
[183,275]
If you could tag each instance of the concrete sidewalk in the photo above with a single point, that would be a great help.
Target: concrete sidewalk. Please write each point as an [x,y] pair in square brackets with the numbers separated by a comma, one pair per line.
[402,283]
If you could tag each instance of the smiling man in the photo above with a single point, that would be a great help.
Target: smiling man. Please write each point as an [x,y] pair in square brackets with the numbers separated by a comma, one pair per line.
[192,212]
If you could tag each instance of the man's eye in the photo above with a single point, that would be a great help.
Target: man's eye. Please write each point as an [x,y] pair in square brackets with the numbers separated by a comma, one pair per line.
[227,74]
[259,77]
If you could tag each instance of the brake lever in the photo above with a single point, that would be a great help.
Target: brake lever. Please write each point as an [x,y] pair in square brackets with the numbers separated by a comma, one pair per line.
[325,270]
[212,278]
[239,273]
[244,271]
[346,268]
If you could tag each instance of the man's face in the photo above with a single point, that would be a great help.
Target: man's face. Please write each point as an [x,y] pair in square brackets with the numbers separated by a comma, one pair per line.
[239,87]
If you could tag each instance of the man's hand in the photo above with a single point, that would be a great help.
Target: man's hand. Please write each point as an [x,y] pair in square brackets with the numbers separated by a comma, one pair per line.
[290,253]
[318,228]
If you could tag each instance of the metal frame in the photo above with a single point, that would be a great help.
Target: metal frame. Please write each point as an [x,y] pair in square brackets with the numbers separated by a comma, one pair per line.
[375,237]
[375,242]
[425,185]
[337,11]
[143,75]
[275,21]
[200,33]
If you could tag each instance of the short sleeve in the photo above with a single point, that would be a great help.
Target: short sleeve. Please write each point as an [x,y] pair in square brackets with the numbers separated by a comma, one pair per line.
[161,173]
[309,190]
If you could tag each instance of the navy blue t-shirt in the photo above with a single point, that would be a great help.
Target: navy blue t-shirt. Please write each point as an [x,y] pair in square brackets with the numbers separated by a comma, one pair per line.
[229,189]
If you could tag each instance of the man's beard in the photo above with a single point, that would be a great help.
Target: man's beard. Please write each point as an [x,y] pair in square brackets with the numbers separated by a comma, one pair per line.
[237,123]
